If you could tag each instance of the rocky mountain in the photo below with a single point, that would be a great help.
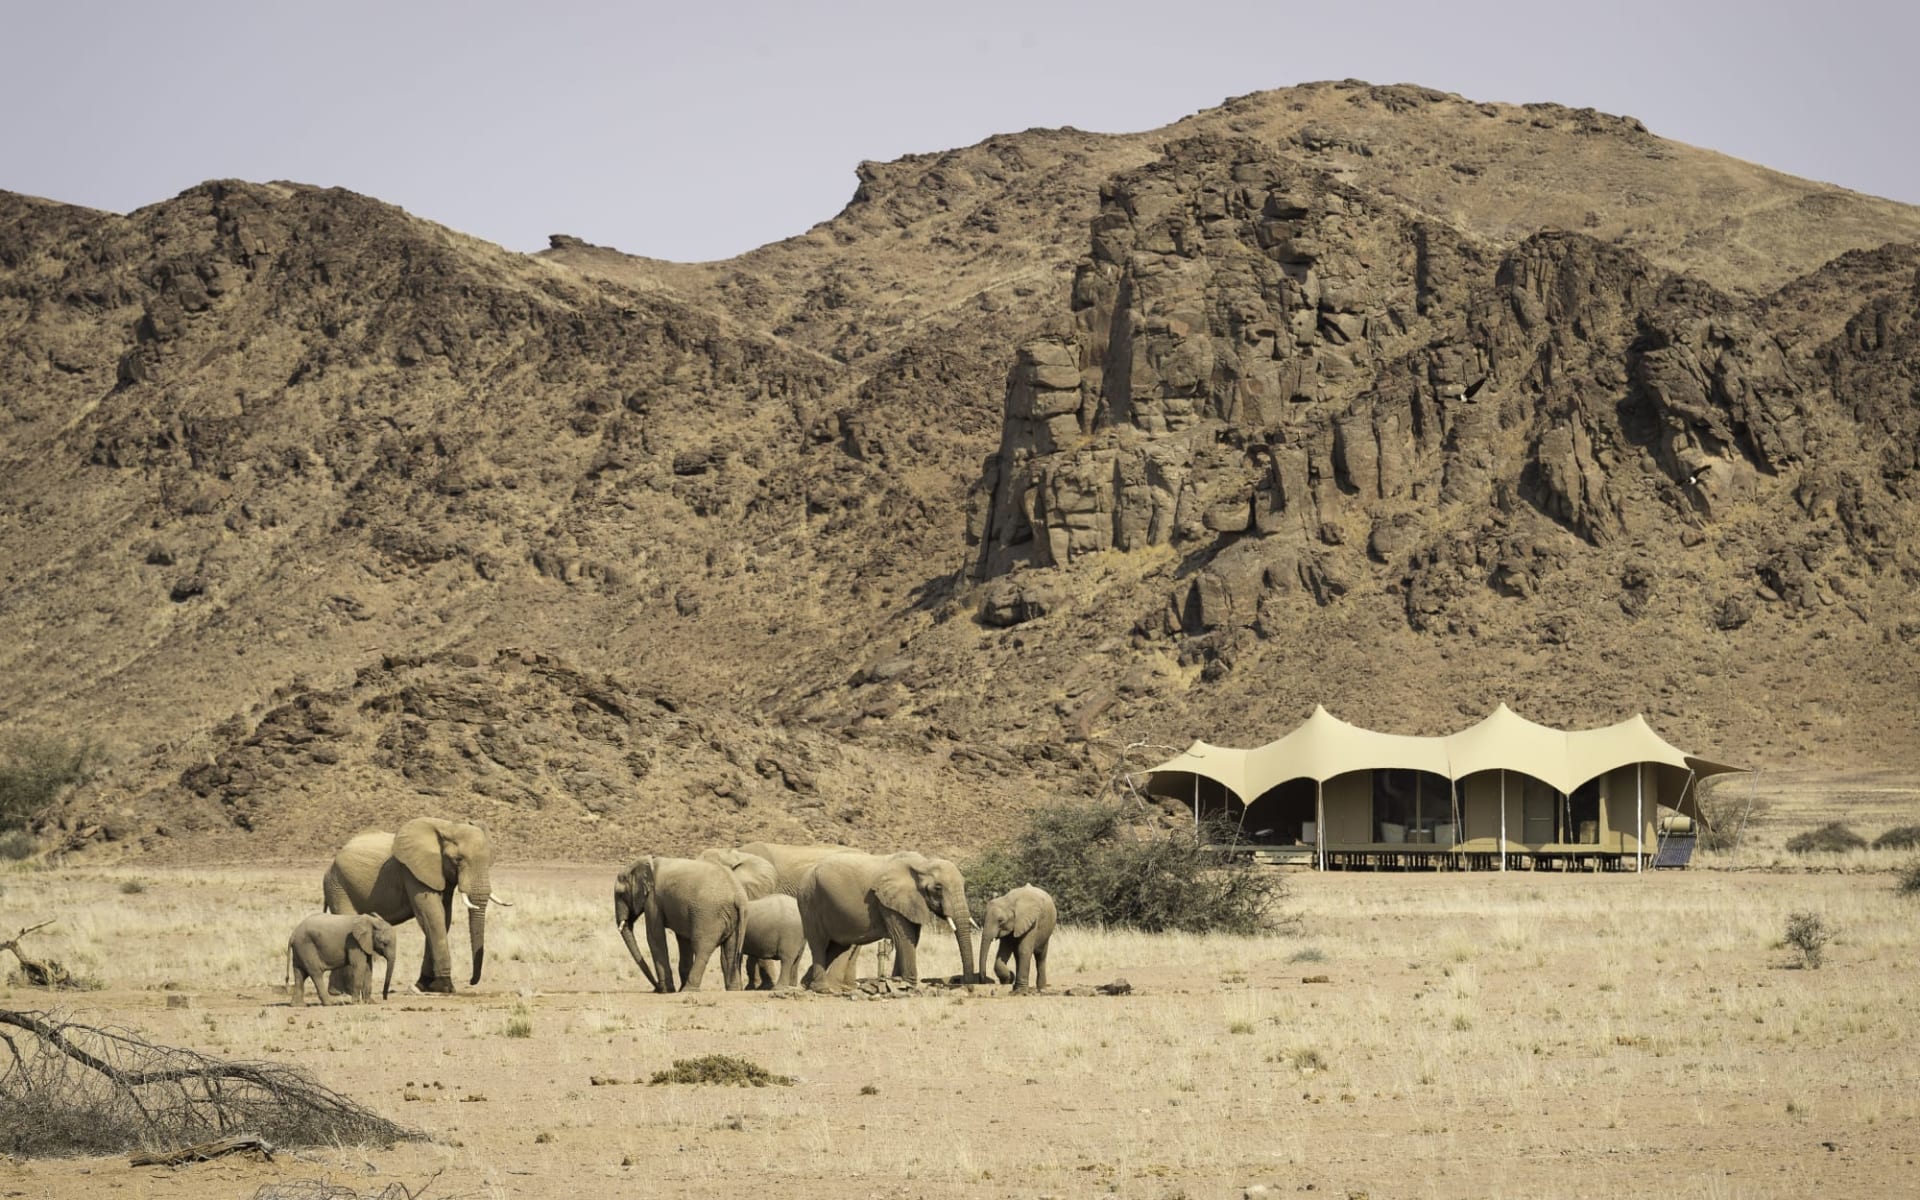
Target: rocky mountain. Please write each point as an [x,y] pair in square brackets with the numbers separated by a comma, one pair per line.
[1043,455]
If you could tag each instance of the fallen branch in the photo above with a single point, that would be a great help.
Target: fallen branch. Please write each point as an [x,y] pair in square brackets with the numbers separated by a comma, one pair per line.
[47,974]
[77,1089]
[205,1151]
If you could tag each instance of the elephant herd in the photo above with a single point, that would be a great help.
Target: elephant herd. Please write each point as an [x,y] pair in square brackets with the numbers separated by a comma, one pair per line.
[758,905]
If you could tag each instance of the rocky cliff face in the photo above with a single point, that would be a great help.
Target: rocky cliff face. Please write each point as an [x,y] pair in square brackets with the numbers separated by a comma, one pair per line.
[1305,390]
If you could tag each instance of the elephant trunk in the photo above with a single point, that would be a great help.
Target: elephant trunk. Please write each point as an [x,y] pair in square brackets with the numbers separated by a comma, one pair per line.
[478,890]
[963,936]
[386,986]
[625,916]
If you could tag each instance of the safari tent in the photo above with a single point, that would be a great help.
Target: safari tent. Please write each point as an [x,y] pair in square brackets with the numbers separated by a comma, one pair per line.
[1503,793]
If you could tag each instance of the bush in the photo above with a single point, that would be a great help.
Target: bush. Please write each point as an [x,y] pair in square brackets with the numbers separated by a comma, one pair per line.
[1900,837]
[1908,880]
[1833,837]
[1807,932]
[35,769]
[1101,872]
[725,1069]
[16,844]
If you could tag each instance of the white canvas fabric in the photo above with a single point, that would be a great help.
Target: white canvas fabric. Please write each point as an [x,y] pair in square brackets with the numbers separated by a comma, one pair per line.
[1324,746]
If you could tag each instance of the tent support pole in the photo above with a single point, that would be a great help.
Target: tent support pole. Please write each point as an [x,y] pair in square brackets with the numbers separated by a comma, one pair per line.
[1503,818]
[1459,825]
[1196,805]
[1320,822]
[1639,818]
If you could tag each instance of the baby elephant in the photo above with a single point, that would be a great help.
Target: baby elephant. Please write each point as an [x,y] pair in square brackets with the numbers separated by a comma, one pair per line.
[773,935]
[329,942]
[1023,921]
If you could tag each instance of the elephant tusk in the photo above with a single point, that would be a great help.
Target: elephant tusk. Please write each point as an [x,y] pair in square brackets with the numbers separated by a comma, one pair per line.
[468,903]
[501,901]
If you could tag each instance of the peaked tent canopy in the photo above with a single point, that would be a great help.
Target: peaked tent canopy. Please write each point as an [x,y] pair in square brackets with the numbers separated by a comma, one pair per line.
[1324,746]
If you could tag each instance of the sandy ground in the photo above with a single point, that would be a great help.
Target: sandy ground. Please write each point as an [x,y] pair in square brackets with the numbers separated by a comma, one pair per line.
[1476,1035]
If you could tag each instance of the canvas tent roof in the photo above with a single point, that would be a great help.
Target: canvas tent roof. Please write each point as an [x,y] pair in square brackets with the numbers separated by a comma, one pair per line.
[1324,746]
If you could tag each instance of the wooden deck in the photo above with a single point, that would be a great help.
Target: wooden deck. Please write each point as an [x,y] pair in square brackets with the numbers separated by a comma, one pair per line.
[1415,857]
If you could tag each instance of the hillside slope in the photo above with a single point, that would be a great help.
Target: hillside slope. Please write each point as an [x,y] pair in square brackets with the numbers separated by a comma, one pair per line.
[1043,448]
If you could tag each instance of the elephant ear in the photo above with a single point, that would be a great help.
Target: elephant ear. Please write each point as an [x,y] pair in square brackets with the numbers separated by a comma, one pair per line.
[417,846]
[1021,918]
[363,936]
[898,888]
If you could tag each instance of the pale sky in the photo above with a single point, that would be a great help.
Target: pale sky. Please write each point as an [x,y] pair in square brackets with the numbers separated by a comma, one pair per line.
[696,131]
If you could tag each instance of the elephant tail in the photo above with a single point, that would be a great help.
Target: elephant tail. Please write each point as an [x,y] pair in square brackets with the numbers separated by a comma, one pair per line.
[733,949]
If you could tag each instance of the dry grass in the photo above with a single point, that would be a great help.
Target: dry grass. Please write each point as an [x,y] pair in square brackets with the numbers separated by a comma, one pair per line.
[1786,803]
[1477,1035]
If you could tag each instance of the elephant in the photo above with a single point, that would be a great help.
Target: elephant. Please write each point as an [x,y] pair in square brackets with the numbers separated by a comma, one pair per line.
[791,863]
[773,920]
[700,901]
[413,875]
[848,900]
[1023,921]
[330,942]
[774,934]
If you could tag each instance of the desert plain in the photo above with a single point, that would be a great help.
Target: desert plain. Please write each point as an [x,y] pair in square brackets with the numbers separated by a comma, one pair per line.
[1420,1034]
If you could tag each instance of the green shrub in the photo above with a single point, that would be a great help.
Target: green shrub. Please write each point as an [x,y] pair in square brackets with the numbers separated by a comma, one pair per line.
[1900,837]
[16,844]
[35,769]
[1832,837]
[1100,871]
[1807,932]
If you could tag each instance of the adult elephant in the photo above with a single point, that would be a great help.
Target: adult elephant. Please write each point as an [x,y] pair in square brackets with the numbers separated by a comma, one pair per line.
[699,901]
[848,900]
[412,875]
[791,863]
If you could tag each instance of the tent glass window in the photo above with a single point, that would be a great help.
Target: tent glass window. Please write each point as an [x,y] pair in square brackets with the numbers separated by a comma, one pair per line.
[1412,806]
[1540,806]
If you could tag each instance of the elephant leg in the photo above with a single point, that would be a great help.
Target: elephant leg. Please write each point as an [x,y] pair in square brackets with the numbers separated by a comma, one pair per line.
[1023,974]
[434,912]
[906,946]
[360,975]
[1040,967]
[662,963]
[818,945]
[1002,952]
[904,958]
[307,963]
[789,969]
[693,963]
[831,960]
